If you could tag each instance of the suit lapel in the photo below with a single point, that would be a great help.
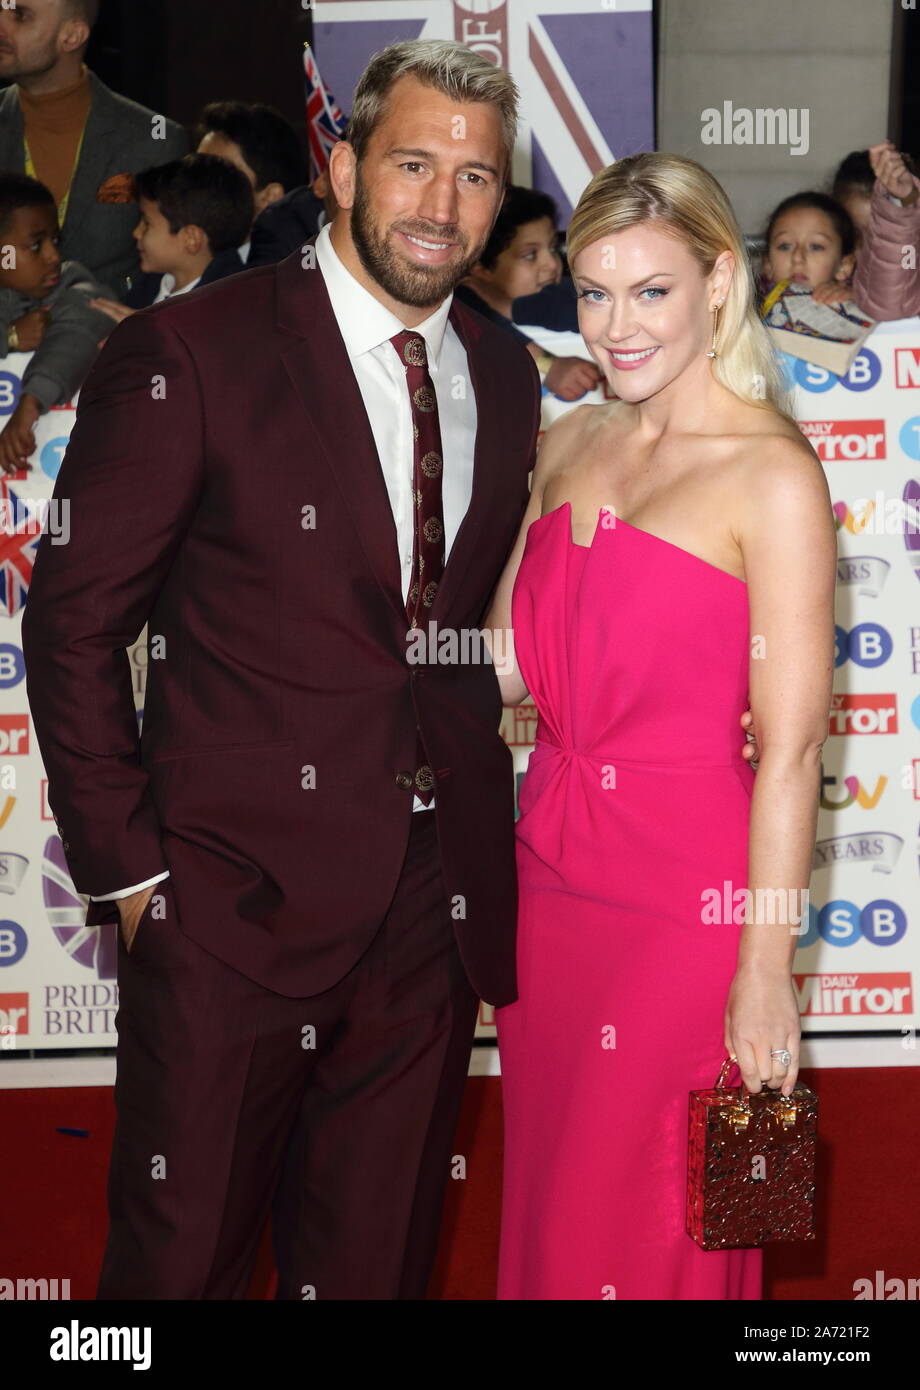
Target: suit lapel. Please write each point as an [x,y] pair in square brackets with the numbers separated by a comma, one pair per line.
[319,368]
[100,123]
[485,375]
[100,127]
[11,130]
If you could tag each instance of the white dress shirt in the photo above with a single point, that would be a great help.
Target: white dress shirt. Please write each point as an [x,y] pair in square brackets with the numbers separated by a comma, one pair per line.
[366,326]
[167,289]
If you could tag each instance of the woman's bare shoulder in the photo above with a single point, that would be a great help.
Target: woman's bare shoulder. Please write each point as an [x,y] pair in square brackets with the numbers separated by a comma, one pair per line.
[782,486]
[565,437]
[780,451]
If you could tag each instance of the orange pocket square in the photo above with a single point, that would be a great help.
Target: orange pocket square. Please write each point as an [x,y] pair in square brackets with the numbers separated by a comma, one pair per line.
[118,188]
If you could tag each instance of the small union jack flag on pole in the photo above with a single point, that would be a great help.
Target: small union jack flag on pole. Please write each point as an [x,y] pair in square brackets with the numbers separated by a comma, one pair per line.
[325,122]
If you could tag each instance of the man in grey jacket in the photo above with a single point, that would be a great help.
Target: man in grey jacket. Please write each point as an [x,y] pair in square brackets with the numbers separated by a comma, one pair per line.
[45,309]
[60,124]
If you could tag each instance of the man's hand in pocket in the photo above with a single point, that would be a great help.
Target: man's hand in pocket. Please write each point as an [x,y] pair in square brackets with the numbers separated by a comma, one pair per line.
[131,910]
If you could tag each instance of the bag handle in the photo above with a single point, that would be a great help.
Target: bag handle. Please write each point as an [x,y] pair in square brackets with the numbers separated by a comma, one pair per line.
[726,1071]
[746,1096]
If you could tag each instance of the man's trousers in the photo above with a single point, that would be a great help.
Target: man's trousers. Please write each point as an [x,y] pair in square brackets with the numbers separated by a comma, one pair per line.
[336,1112]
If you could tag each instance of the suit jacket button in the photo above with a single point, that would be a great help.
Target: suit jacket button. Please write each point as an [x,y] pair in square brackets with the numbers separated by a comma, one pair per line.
[65,845]
[404,779]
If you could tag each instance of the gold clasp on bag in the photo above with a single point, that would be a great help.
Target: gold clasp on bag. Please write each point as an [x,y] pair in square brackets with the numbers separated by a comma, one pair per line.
[785,1110]
[739,1117]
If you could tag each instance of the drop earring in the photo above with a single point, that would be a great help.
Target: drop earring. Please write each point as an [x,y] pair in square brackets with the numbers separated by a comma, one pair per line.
[712,351]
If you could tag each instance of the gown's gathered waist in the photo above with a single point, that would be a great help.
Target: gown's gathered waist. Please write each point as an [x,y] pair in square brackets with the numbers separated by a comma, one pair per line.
[611,755]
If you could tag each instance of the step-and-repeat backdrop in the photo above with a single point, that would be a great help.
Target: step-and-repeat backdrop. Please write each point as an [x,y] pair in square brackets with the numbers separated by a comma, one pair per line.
[859,960]
[57,977]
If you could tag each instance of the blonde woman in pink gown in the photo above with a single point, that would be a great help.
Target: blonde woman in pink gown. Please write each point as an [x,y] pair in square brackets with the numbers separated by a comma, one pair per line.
[675,564]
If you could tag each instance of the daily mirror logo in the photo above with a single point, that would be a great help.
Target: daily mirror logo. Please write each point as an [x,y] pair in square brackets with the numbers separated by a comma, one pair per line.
[852,440]
[854,996]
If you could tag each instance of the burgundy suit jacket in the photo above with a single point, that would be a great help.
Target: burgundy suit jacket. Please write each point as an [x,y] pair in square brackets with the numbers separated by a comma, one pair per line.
[281,711]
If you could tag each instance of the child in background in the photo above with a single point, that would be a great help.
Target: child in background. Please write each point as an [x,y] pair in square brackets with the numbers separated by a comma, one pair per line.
[520,258]
[194,213]
[261,143]
[887,280]
[810,240]
[46,307]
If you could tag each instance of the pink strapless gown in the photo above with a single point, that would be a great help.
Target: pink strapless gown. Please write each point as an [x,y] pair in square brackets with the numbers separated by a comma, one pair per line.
[636,800]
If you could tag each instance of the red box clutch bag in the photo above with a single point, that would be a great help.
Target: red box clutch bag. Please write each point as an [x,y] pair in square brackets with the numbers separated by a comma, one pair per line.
[751,1165]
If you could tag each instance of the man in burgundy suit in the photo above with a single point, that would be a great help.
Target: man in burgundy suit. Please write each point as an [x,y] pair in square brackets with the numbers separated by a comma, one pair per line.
[310,850]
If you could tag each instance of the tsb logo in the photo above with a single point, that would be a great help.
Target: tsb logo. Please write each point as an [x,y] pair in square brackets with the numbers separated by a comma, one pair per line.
[14,733]
[841,923]
[12,665]
[13,943]
[862,376]
[10,384]
[868,644]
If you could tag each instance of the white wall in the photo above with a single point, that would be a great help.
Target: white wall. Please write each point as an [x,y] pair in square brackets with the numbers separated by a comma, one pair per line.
[831,57]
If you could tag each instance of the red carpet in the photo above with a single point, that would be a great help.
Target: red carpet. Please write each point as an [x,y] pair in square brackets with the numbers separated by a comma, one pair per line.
[54,1218]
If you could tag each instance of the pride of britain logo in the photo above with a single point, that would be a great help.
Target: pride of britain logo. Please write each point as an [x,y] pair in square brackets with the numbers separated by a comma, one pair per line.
[94,947]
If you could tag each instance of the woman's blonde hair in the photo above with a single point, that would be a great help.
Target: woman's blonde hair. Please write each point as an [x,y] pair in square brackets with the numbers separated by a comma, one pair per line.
[691,205]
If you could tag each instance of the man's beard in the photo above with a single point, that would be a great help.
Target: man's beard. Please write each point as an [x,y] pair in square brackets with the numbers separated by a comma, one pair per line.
[419,285]
[36,65]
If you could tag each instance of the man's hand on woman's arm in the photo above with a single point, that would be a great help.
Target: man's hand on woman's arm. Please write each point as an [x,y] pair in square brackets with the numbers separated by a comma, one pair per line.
[750,749]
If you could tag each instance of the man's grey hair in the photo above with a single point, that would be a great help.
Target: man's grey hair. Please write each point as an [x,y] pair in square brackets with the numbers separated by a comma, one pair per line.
[450,68]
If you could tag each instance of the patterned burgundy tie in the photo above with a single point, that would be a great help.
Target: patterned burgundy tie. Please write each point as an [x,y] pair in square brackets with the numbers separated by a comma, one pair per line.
[428,544]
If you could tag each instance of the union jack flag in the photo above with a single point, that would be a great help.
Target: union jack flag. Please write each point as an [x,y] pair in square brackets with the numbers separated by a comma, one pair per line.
[325,122]
[20,534]
[584,72]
